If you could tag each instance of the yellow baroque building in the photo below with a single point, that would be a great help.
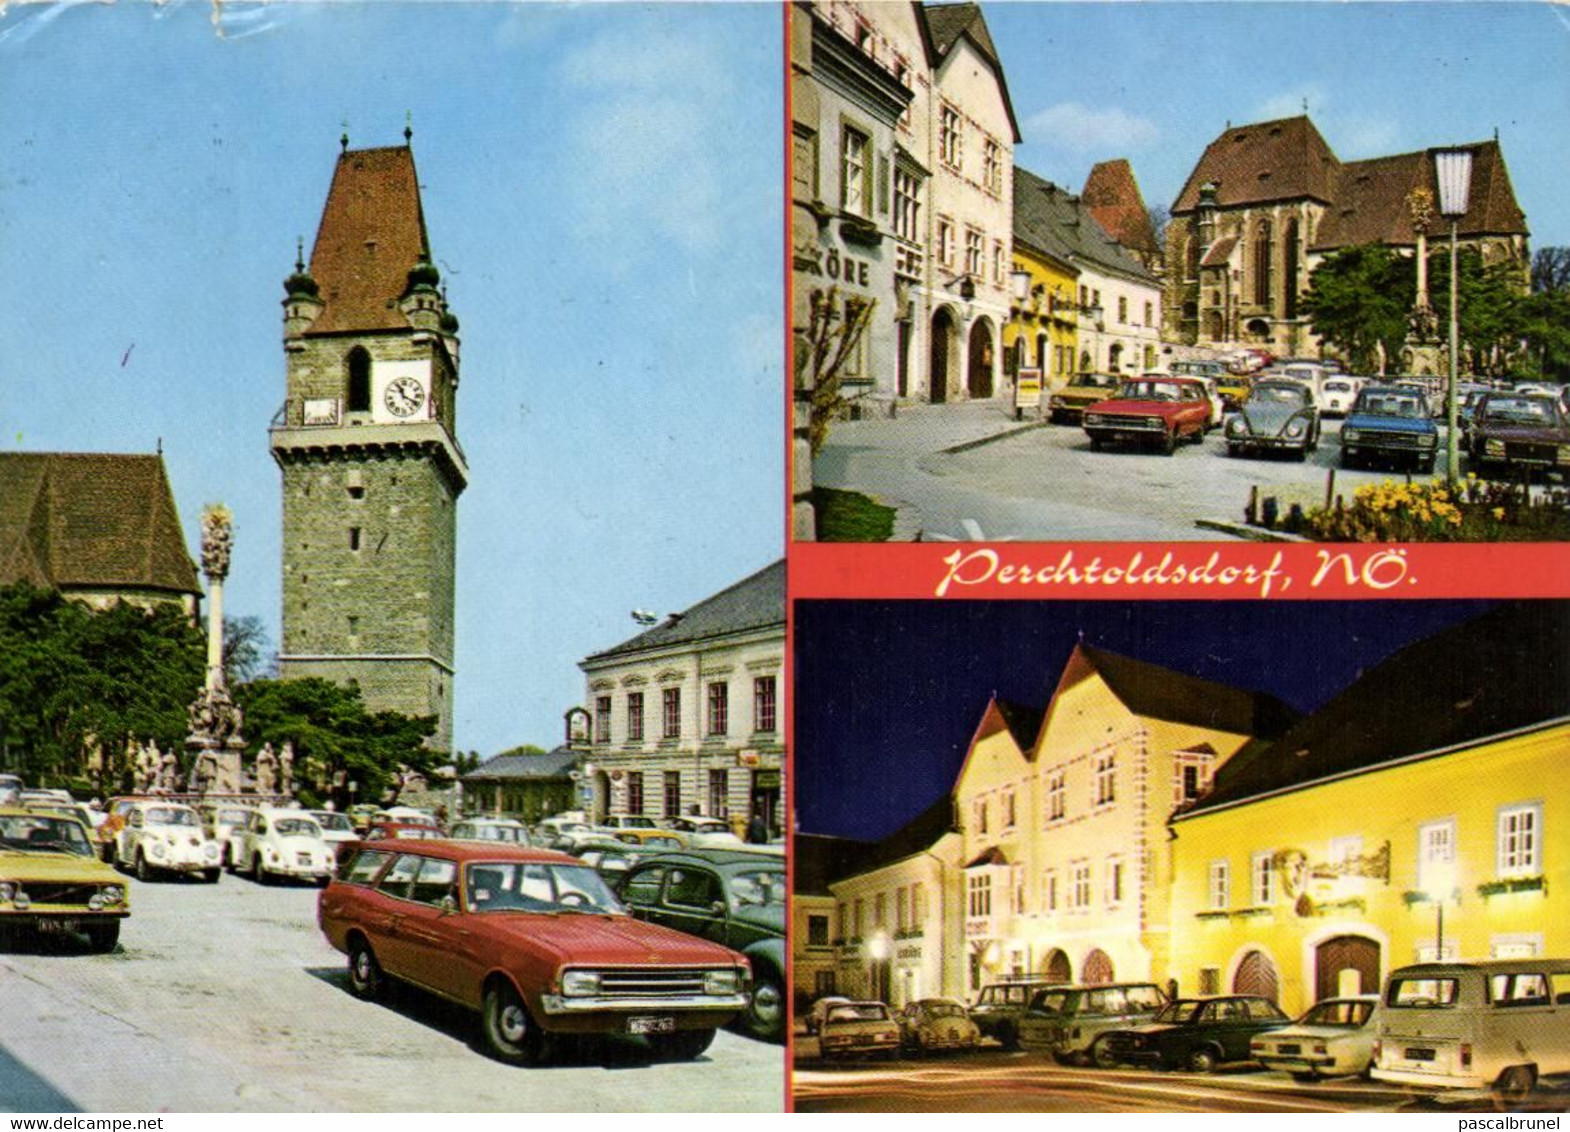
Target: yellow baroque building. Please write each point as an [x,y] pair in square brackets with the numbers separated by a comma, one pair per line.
[1042,323]
[1424,812]
[1063,816]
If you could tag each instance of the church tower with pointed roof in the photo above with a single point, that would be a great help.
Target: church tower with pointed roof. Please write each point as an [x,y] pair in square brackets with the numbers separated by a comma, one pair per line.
[367,445]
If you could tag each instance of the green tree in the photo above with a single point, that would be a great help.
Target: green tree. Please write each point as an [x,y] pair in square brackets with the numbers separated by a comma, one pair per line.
[1358,300]
[336,740]
[1489,308]
[1545,335]
[73,678]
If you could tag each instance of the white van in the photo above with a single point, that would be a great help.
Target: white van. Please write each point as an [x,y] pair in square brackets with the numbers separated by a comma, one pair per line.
[1500,1024]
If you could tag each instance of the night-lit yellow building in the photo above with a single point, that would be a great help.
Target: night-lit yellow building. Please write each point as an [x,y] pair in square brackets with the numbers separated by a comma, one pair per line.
[1436,786]
[1063,815]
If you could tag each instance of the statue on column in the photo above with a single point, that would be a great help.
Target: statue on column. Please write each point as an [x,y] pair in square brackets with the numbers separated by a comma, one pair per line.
[1422,321]
[144,768]
[215,743]
[266,770]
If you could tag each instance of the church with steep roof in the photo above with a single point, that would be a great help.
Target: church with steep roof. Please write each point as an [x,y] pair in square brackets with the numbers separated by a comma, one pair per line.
[1267,202]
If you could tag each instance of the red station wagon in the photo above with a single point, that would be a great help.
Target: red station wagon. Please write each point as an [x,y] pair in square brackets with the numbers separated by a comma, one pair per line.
[531,939]
[1158,411]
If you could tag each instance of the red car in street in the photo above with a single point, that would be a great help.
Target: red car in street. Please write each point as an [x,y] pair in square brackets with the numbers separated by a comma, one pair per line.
[531,939]
[1151,411]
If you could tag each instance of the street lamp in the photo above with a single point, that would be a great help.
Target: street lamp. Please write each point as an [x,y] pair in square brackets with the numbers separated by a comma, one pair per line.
[1440,882]
[1021,284]
[1453,168]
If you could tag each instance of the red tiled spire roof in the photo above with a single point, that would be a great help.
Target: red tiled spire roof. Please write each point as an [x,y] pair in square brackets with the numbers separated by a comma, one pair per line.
[1112,197]
[372,233]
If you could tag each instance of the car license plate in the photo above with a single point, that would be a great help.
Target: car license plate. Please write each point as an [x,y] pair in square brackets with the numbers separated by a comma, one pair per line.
[1420,1055]
[651,1024]
[1289,1049]
[51,926]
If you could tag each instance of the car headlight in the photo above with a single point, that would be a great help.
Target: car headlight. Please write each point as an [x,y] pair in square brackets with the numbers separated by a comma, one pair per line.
[580,983]
[112,893]
[1237,426]
[721,982]
[7,891]
[1296,429]
[1429,440]
[156,849]
[1350,435]
[211,850]
[1494,447]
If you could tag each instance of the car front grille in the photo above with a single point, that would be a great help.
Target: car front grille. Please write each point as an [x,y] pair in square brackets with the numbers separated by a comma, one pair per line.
[1530,453]
[1390,439]
[76,895]
[651,983]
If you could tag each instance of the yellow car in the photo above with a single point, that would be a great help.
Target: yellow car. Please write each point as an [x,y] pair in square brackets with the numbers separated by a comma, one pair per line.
[52,882]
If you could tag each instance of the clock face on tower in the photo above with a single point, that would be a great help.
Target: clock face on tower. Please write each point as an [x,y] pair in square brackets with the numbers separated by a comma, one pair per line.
[404,397]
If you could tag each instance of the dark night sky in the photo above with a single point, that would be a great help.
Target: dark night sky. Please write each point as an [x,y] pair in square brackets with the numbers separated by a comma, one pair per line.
[888,693]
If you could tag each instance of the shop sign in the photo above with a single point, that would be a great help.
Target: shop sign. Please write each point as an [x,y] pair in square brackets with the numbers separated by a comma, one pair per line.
[1027,390]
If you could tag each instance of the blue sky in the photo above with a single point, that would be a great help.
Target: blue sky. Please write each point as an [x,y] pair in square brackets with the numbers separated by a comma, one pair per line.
[1156,82]
[602,188]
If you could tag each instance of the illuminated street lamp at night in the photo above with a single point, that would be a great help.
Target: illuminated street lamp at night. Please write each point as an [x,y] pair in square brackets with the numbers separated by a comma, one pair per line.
[1439,881]
[1453,169]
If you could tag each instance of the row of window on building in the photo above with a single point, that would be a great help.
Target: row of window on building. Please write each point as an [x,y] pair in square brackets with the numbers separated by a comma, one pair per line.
[717,798]
[717,718]
[910,910]
[1191,778]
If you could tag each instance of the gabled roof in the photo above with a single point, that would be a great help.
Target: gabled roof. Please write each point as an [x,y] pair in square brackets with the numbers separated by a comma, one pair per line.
[91,521]
[1154,692]
[1371,199]
[819,860]
[514,767]
[372,233]
[1053,220]
[944,25]
[988,858]
[1286,159]
[1112,196]
[755,602]
[1506,670]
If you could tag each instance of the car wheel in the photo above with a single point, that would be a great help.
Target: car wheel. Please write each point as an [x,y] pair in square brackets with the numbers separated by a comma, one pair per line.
[1202,1060]
[103,937]
[144,871]
[1009,1036]
[211,875]
[1168,444]
[1301,454]
[1199,435]
[1427,466]
[1234,450]
[1102,1055]
[1306,1078]
[1095,444]
[765,1014]
[259,871]
[684,1045]
[365,973]
[1516,1083]
[509,1029]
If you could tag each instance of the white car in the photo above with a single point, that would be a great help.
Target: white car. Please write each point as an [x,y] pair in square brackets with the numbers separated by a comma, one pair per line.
[221,820]
[166,837]
[1337,395]
[1495,1024]
[1335,1038]
[490,829]
[704,832]
[278,843]
[337,829]
[615,823]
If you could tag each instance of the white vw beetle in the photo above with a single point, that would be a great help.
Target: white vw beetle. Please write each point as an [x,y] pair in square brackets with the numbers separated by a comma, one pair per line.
[278,843]
[166,837]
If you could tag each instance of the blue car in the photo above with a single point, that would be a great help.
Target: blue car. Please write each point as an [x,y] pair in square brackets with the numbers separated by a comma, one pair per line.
[1390,424]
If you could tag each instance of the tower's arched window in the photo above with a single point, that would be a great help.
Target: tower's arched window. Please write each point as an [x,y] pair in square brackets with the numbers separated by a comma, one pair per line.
[359,380]
[1290,256]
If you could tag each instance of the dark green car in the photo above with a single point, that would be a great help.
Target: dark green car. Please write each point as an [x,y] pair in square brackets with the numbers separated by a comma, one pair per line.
[729,896]
[1196,1034]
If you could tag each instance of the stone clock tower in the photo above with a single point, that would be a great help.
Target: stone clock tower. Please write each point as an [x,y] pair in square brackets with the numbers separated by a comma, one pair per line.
[367,444]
